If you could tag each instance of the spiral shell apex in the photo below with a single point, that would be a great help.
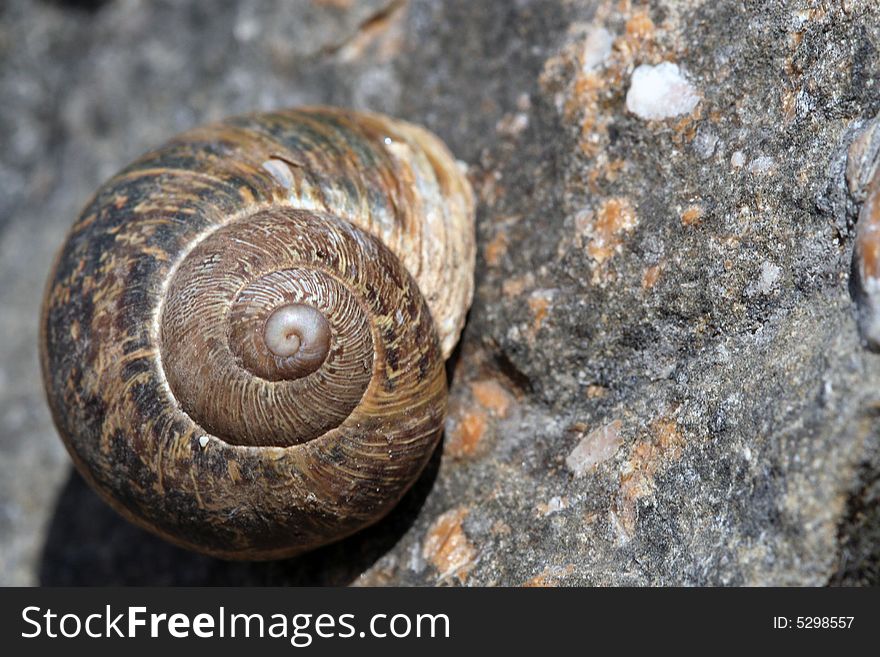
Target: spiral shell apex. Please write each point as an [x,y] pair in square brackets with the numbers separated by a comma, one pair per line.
[244,335]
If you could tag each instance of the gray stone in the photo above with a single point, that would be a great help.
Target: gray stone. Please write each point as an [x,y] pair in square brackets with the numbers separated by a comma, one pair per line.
[683,280]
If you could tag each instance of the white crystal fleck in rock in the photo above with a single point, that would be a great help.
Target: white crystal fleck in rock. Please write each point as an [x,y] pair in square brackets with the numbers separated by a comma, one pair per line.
[660,92]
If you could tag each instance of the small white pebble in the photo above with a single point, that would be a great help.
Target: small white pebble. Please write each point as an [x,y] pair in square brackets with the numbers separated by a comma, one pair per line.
[597,47]
[769,277]
[554,505]
[737,160]
[705,142]
[203,441]
[387,141]
[597,446]
[761,164]
[660,92]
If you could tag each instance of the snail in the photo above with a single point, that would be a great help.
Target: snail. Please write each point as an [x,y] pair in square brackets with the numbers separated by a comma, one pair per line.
[243,336]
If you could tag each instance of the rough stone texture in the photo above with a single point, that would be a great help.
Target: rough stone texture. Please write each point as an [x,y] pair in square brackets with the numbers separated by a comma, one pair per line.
[678,288]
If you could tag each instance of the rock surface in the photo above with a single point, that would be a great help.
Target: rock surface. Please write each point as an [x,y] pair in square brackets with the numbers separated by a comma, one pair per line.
[661,381]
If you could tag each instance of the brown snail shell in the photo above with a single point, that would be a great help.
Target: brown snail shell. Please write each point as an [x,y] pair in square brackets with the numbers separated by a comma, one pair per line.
[863,179]
[244,334]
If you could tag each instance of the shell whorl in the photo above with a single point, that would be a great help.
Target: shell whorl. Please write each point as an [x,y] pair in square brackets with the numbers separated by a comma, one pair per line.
[863,179]
[222,297]
[244,334]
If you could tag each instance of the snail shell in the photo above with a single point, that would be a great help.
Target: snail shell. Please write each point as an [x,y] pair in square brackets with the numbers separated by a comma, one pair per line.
[243,336]
[863,179]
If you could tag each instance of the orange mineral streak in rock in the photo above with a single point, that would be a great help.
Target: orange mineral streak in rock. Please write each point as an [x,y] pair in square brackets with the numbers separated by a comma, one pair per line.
[662,447]
[691,215]
[447,547]
[604,172]
[636,43]
[640,26]
[685,129]
[649,278]
[467,432]
[550,577]
[539,304]
[596,391]
[513,287]
[615,217]
[491,395]
[496,249]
